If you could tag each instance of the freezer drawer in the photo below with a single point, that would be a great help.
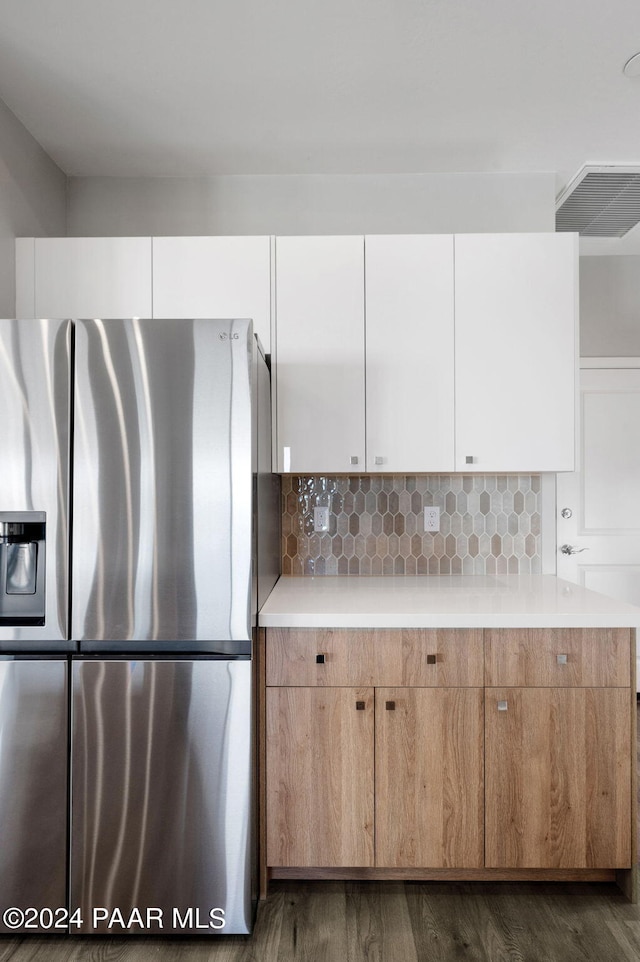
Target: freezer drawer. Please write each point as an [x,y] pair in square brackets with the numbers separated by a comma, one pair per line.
[33,793]
[161,796]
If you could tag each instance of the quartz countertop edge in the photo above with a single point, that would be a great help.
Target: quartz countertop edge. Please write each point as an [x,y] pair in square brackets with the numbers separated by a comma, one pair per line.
[441,601]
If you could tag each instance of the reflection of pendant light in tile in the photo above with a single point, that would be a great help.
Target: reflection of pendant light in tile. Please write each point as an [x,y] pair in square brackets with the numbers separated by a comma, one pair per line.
[632,66]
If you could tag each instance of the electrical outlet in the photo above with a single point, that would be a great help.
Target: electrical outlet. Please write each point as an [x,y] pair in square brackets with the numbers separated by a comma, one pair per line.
[431,519]
[320,518]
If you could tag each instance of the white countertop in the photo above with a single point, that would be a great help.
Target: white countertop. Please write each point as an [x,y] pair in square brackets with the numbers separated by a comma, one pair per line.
[441,601]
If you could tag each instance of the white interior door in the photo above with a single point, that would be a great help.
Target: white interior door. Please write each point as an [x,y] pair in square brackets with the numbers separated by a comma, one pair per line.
[599,505]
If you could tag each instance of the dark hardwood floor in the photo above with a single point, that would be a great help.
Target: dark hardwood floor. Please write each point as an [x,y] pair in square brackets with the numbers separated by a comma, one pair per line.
[393,922]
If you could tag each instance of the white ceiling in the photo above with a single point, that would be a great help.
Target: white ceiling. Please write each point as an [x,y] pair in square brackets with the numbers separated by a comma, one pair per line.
[197,87]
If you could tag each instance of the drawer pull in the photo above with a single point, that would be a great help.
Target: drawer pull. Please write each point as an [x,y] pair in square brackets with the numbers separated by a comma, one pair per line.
[390,705]
[319,659]
[431,659]
[502,706]
[359,706]
[561,659]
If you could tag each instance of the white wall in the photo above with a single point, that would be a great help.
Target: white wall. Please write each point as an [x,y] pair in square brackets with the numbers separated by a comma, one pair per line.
[32,198]
[610,306]
[311,204]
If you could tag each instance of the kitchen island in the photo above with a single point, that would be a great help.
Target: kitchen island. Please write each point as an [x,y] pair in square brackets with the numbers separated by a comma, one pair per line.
[467,728]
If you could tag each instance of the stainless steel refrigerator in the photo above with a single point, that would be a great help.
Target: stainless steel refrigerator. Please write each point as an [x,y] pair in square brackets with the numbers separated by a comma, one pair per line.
[169,468]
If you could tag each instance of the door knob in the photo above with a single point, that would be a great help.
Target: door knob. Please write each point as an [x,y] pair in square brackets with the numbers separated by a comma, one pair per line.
[571,549]
[566,513]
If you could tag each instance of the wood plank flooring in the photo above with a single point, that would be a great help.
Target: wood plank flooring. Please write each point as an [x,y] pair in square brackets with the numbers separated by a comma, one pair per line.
[393,922]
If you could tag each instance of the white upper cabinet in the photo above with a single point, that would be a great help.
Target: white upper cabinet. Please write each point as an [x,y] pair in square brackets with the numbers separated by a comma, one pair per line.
[409,313]
[320,354]
[516,351]
[467,345]
[88,277]
[214,277]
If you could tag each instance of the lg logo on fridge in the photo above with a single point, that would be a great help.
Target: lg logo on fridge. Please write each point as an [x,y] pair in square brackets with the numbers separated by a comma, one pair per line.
[231,337]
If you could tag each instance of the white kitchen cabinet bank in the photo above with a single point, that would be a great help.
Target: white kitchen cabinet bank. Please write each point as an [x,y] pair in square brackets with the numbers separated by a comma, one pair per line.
[466,360]
[393,353]
[146,277]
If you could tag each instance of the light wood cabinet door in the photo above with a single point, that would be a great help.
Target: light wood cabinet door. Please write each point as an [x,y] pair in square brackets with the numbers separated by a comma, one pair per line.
[320,354]
[558,657]
[409,352]
[516,351]
[429,777]
[214,277]
[320,782]
[558,778]
[92,277]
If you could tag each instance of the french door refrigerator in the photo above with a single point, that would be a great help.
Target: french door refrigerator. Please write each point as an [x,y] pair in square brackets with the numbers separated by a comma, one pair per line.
[169,464]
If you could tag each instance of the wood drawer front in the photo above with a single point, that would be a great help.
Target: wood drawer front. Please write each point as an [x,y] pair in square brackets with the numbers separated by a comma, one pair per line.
[424,658]
[558,657]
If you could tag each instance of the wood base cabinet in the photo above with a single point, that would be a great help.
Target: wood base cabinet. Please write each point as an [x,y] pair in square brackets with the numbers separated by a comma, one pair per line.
[411,711]
[459,754]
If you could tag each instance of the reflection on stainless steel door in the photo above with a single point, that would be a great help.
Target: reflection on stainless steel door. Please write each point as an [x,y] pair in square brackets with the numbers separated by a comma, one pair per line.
[163,481]
[34,448]
[33,785]
[161,774]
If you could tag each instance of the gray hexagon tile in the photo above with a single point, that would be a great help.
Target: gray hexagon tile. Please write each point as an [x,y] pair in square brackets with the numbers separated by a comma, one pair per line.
[489,524]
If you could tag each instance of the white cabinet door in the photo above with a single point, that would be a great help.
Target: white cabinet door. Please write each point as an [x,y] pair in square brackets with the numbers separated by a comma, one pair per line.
[409,352]
[516,357]
[92,277]
[320,354]
[214,277]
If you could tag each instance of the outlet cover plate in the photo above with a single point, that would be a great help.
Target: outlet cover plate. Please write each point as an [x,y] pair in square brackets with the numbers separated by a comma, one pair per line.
[431,519]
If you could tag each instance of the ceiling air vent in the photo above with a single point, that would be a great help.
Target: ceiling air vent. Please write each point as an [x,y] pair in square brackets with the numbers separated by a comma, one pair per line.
[601,201]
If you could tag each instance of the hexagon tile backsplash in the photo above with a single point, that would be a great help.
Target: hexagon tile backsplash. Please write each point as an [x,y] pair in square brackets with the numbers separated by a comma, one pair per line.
[489,524]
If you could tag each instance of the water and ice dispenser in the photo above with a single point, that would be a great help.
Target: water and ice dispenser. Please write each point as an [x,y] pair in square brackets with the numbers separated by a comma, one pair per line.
[22,567]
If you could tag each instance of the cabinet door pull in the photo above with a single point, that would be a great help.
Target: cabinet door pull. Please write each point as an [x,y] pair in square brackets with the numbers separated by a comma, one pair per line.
[353,459]
[502,706]
[319,659]
[431,659]
[390,705]
[561,659]
[469,459]
[359,706]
